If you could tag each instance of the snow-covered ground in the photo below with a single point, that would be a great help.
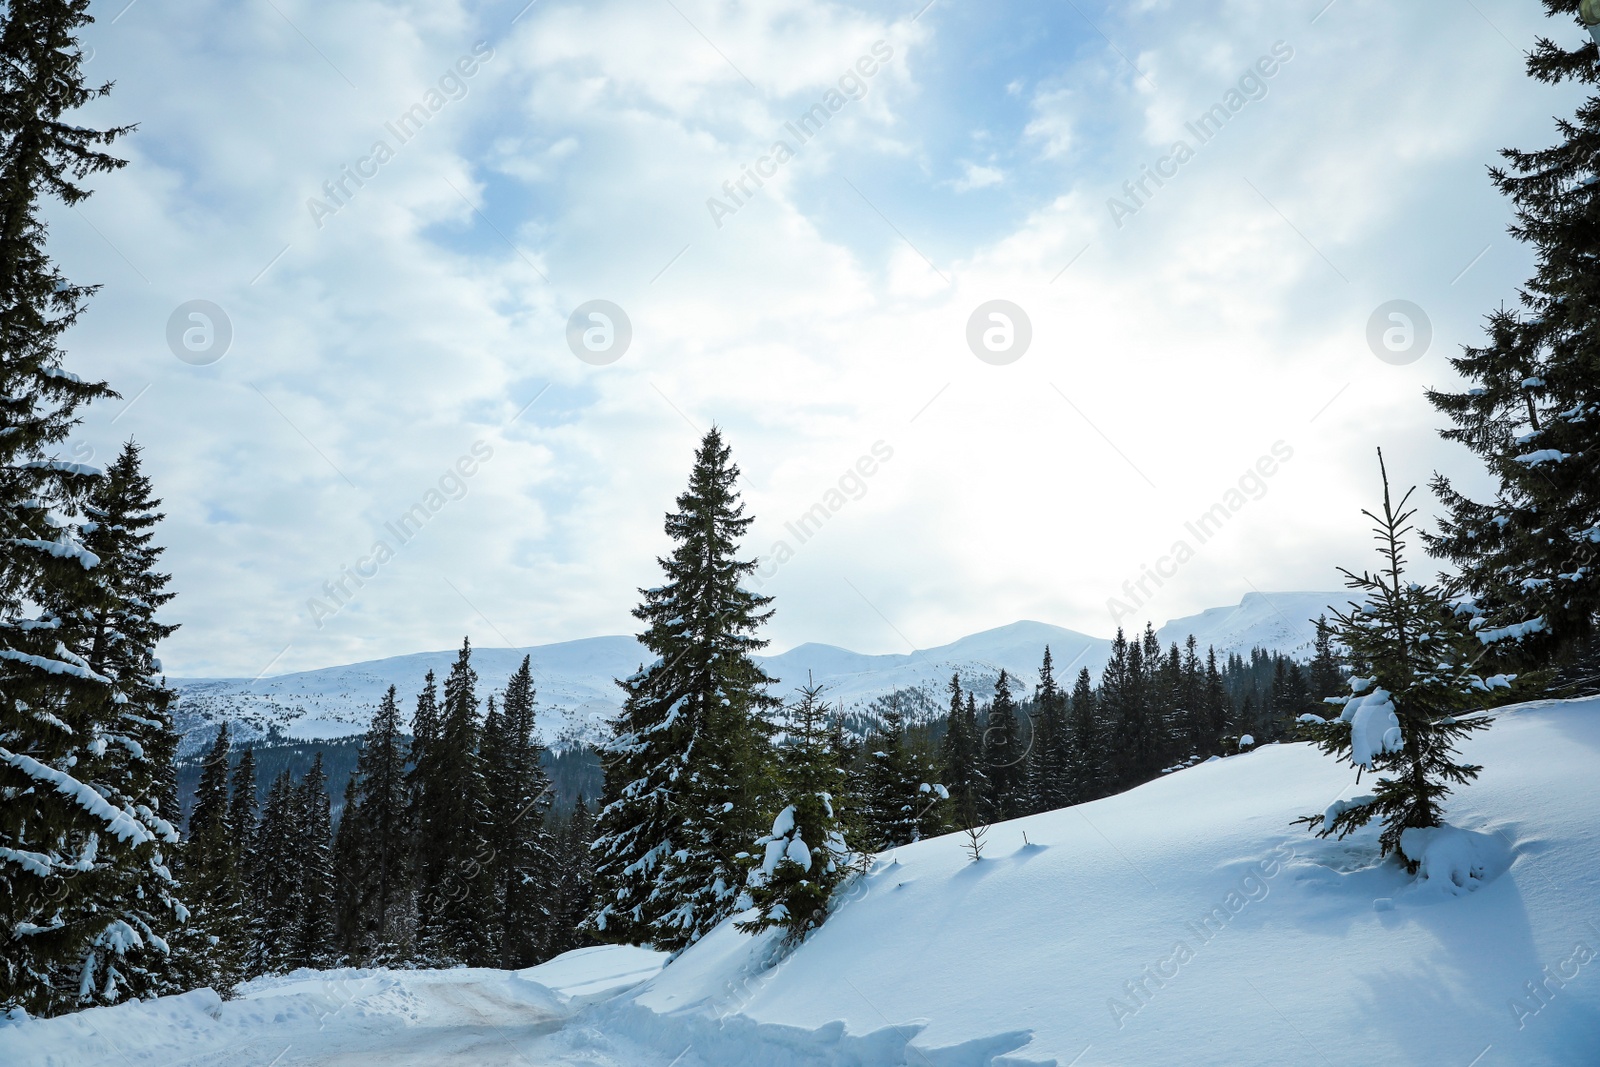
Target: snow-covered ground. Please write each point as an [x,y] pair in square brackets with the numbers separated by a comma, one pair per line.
[349,1016]
[577,694]
[1183,922]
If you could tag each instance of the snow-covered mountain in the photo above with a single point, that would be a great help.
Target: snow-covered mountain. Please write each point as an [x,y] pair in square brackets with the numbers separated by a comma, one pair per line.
[577,692]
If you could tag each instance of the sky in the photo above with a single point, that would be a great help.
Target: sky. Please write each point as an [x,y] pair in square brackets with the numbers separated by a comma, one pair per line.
[393,212]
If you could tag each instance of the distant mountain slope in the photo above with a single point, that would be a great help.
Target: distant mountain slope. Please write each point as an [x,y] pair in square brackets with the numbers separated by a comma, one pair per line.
[577,692]
[574,681]
[1282,622]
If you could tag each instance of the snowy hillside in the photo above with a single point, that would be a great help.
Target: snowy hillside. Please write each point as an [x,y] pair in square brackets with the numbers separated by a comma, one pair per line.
[1186,922]
[1183,922]
[1282,622]
[577,693]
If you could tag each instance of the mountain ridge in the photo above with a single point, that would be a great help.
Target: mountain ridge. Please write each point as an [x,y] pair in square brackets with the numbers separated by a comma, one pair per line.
[577,694]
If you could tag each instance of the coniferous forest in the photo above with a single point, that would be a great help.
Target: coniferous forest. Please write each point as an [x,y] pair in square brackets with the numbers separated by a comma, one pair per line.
[724,791]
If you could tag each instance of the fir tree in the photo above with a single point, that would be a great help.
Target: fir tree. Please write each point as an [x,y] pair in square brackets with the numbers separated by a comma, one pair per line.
[961,761]
[454,888]
[87,737]
[1050,755]
[1121,700]
[212,947]
[518,801]
[243,827]
[1191,720]
[689,759]
[1530,409]
[1167,713]
[574,882]
[805,856]
[275,875]
[311,937]
[1281,703]
[900,803]
[1218,706]
[242,808]
[374,848]
[846,748]
[1086,766]
[1413,652]
[1004,754]
[1326,679]
[353,946]
[424,732]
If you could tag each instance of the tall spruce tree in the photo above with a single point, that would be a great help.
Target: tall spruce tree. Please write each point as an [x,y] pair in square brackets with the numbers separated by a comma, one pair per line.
[275,875]
[86,895]
[1120,699]
[374,853]
[1530,408]
[574,881]
[961,761]
[689,759]
[1218,706]
[1050,755]
[1414,653]
[1086,766]
[455,900]
[89,740]
[352,945]
[899,803]
[243,826]
[1192,701]
[1005,754]
[805,856]
[1326,679]
[212,946]
[311,937]
[518,801]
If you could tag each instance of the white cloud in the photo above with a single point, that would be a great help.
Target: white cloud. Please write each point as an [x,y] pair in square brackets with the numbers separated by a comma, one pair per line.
[1177,348]
[978,176]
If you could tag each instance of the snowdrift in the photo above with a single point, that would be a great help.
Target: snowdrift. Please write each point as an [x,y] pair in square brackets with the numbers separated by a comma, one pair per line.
[1184,922]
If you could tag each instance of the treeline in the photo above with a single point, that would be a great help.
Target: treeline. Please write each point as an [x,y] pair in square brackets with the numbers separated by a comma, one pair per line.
[449,849]
[1152,711]
[573,771]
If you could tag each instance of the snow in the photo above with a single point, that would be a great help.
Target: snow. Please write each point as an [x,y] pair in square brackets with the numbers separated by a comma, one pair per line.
[773,855]
[61,550]
[54,666]
[63,466]
[783,825]
[1339,807]
[1183,922]
[1374,727]
[1543,455]
[1284,956]
[117,822]
[1515,631]
[1452,862]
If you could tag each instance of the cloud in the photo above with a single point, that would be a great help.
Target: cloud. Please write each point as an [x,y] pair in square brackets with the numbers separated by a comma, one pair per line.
[977,176]
[827,313]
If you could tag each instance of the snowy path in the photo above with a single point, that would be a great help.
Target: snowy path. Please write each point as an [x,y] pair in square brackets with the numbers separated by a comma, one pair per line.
[483,1018]
[460,1023]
